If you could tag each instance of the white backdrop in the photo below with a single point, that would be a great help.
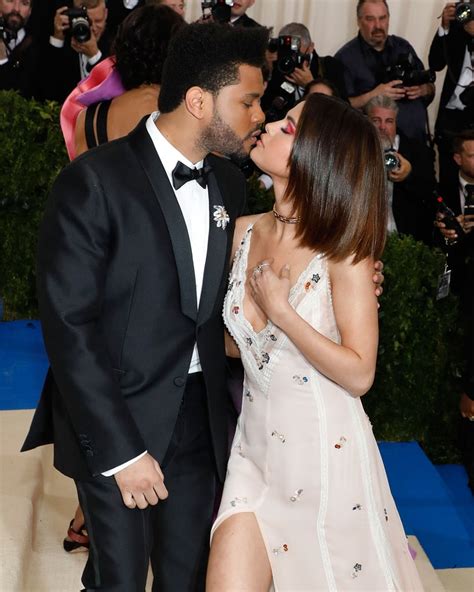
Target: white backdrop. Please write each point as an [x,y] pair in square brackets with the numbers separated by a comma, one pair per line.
[333,22]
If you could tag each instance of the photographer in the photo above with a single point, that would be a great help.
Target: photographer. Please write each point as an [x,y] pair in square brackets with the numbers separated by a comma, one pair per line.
[70,54]
[374,62]
[18,48]
[409,170]
[453,46]
[239,18]
[288,83]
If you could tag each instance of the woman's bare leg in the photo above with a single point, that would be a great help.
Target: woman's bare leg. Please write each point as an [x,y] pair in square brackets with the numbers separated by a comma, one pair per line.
[238,561]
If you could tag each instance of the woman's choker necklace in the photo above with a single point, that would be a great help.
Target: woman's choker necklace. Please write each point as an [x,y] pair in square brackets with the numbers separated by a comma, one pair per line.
[284,219]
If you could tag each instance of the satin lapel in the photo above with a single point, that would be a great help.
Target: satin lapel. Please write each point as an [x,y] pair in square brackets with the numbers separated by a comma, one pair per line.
[145,151]
[216,254]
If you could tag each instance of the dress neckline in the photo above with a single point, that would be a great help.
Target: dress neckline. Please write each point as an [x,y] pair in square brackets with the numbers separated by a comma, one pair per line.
[244,264]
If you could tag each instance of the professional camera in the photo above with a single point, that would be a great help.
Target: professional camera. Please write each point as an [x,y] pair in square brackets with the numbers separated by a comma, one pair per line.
[218,9]
[391,160]
[405,70]
[464,12]
[289,55]
[79,24]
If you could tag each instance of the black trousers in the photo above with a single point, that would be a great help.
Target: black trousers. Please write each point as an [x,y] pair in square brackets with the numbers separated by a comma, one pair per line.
[174,534]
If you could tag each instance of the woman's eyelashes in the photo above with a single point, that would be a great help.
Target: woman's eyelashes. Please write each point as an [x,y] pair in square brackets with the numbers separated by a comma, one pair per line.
[289,128]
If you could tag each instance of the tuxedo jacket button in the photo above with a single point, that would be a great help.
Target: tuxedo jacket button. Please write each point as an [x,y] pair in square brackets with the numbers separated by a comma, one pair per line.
[179,381]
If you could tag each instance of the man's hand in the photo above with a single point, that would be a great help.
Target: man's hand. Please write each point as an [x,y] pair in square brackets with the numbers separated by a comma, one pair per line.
[61,23]
[466,407]
[467,222]
[141,483]
[449,234]
[378,278]
[448,14]
[301,76]
[391,89]
[418,92]
[88,48]
[400,174]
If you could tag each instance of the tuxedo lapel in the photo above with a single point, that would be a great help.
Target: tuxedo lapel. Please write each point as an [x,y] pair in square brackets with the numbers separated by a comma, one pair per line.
[216,253]
[145,151]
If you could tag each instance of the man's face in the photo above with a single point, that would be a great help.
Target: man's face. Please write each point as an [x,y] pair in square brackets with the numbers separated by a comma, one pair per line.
[97,17]
[385,120]
[465,160]
[176,5]
[237,116]
[469,28]
[240,6]
[373,24]
[15,13]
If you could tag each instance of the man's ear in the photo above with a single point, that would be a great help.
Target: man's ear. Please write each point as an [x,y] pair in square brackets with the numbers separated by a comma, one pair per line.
[198,102]
[457,158]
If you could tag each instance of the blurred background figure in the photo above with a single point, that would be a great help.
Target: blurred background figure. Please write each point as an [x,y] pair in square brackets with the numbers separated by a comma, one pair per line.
[140,49]
[19,51]
[377,63]
[238,14]
[453,46]
[410,172]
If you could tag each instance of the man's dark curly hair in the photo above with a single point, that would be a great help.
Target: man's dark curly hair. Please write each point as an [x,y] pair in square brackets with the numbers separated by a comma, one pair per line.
[142,43]
[208,55]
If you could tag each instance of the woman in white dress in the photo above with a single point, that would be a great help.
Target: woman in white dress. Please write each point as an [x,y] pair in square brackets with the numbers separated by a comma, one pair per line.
[306,504]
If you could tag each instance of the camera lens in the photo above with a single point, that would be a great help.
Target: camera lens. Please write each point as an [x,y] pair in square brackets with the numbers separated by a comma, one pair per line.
[80,29]
[464,13]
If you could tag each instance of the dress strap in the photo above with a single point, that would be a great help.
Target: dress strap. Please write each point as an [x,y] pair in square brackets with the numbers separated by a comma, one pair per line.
[96,135]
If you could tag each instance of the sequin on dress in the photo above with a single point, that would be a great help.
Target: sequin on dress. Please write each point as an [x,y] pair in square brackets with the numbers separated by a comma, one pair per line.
[304,459]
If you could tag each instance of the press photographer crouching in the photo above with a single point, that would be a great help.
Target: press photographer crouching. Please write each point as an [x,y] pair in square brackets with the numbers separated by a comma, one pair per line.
[19,54]
[296,65]
[453,46]
[79,41]
[410,173]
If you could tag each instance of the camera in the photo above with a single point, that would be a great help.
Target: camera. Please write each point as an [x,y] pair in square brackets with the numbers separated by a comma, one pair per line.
[405,70]
[220,10]
[449,219]
[289,55]
[391,160]
[464,12]
[79,24]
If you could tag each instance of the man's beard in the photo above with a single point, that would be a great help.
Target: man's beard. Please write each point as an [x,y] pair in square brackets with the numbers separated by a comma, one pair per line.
[15,24]
[220,137]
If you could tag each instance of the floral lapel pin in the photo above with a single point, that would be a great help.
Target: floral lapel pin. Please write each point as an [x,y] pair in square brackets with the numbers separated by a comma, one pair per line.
[221,217]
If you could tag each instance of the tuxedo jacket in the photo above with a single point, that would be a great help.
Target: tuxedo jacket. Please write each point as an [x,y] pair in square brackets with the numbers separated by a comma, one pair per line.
[60,69]
[117,300]
[449,51]
[245,21]
[21,71]
[413,201]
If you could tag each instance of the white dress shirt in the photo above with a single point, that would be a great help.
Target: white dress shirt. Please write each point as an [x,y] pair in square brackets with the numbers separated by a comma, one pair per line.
[13,43]
[194,203]
[466,78]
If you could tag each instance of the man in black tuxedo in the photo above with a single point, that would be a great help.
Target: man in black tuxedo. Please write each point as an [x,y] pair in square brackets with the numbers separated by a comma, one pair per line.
[19,50]
[132,271]
[284,91]
[453,46]
[68,60]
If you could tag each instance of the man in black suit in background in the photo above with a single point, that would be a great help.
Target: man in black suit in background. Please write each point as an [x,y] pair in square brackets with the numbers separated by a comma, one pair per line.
[453,46]
[132,271]
[67,60]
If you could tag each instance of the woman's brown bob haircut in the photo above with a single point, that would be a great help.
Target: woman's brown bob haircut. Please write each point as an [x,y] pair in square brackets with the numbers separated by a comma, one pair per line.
[337,181]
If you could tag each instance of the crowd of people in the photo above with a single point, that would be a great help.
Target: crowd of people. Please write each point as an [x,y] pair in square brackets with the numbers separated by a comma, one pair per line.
[133,400]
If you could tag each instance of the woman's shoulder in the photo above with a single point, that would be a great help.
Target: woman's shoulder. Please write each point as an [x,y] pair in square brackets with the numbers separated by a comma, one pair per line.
[242,224]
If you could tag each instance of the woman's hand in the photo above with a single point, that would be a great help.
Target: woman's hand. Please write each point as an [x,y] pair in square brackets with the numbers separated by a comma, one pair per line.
[270,291]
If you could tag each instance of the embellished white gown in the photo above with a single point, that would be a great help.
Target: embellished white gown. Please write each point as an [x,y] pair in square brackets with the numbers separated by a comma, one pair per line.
[304,459]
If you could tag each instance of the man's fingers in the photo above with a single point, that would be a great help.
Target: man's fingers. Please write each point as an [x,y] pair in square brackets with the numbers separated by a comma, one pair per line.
[161,490]
[140,500]
[128,500]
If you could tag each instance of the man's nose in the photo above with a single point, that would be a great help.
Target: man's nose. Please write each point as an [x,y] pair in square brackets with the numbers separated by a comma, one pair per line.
[259,115]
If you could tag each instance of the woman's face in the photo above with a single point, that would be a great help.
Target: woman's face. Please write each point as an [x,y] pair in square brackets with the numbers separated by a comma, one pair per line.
[273,148]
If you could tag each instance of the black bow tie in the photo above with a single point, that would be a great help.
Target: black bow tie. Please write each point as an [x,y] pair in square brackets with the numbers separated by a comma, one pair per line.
[182,174]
